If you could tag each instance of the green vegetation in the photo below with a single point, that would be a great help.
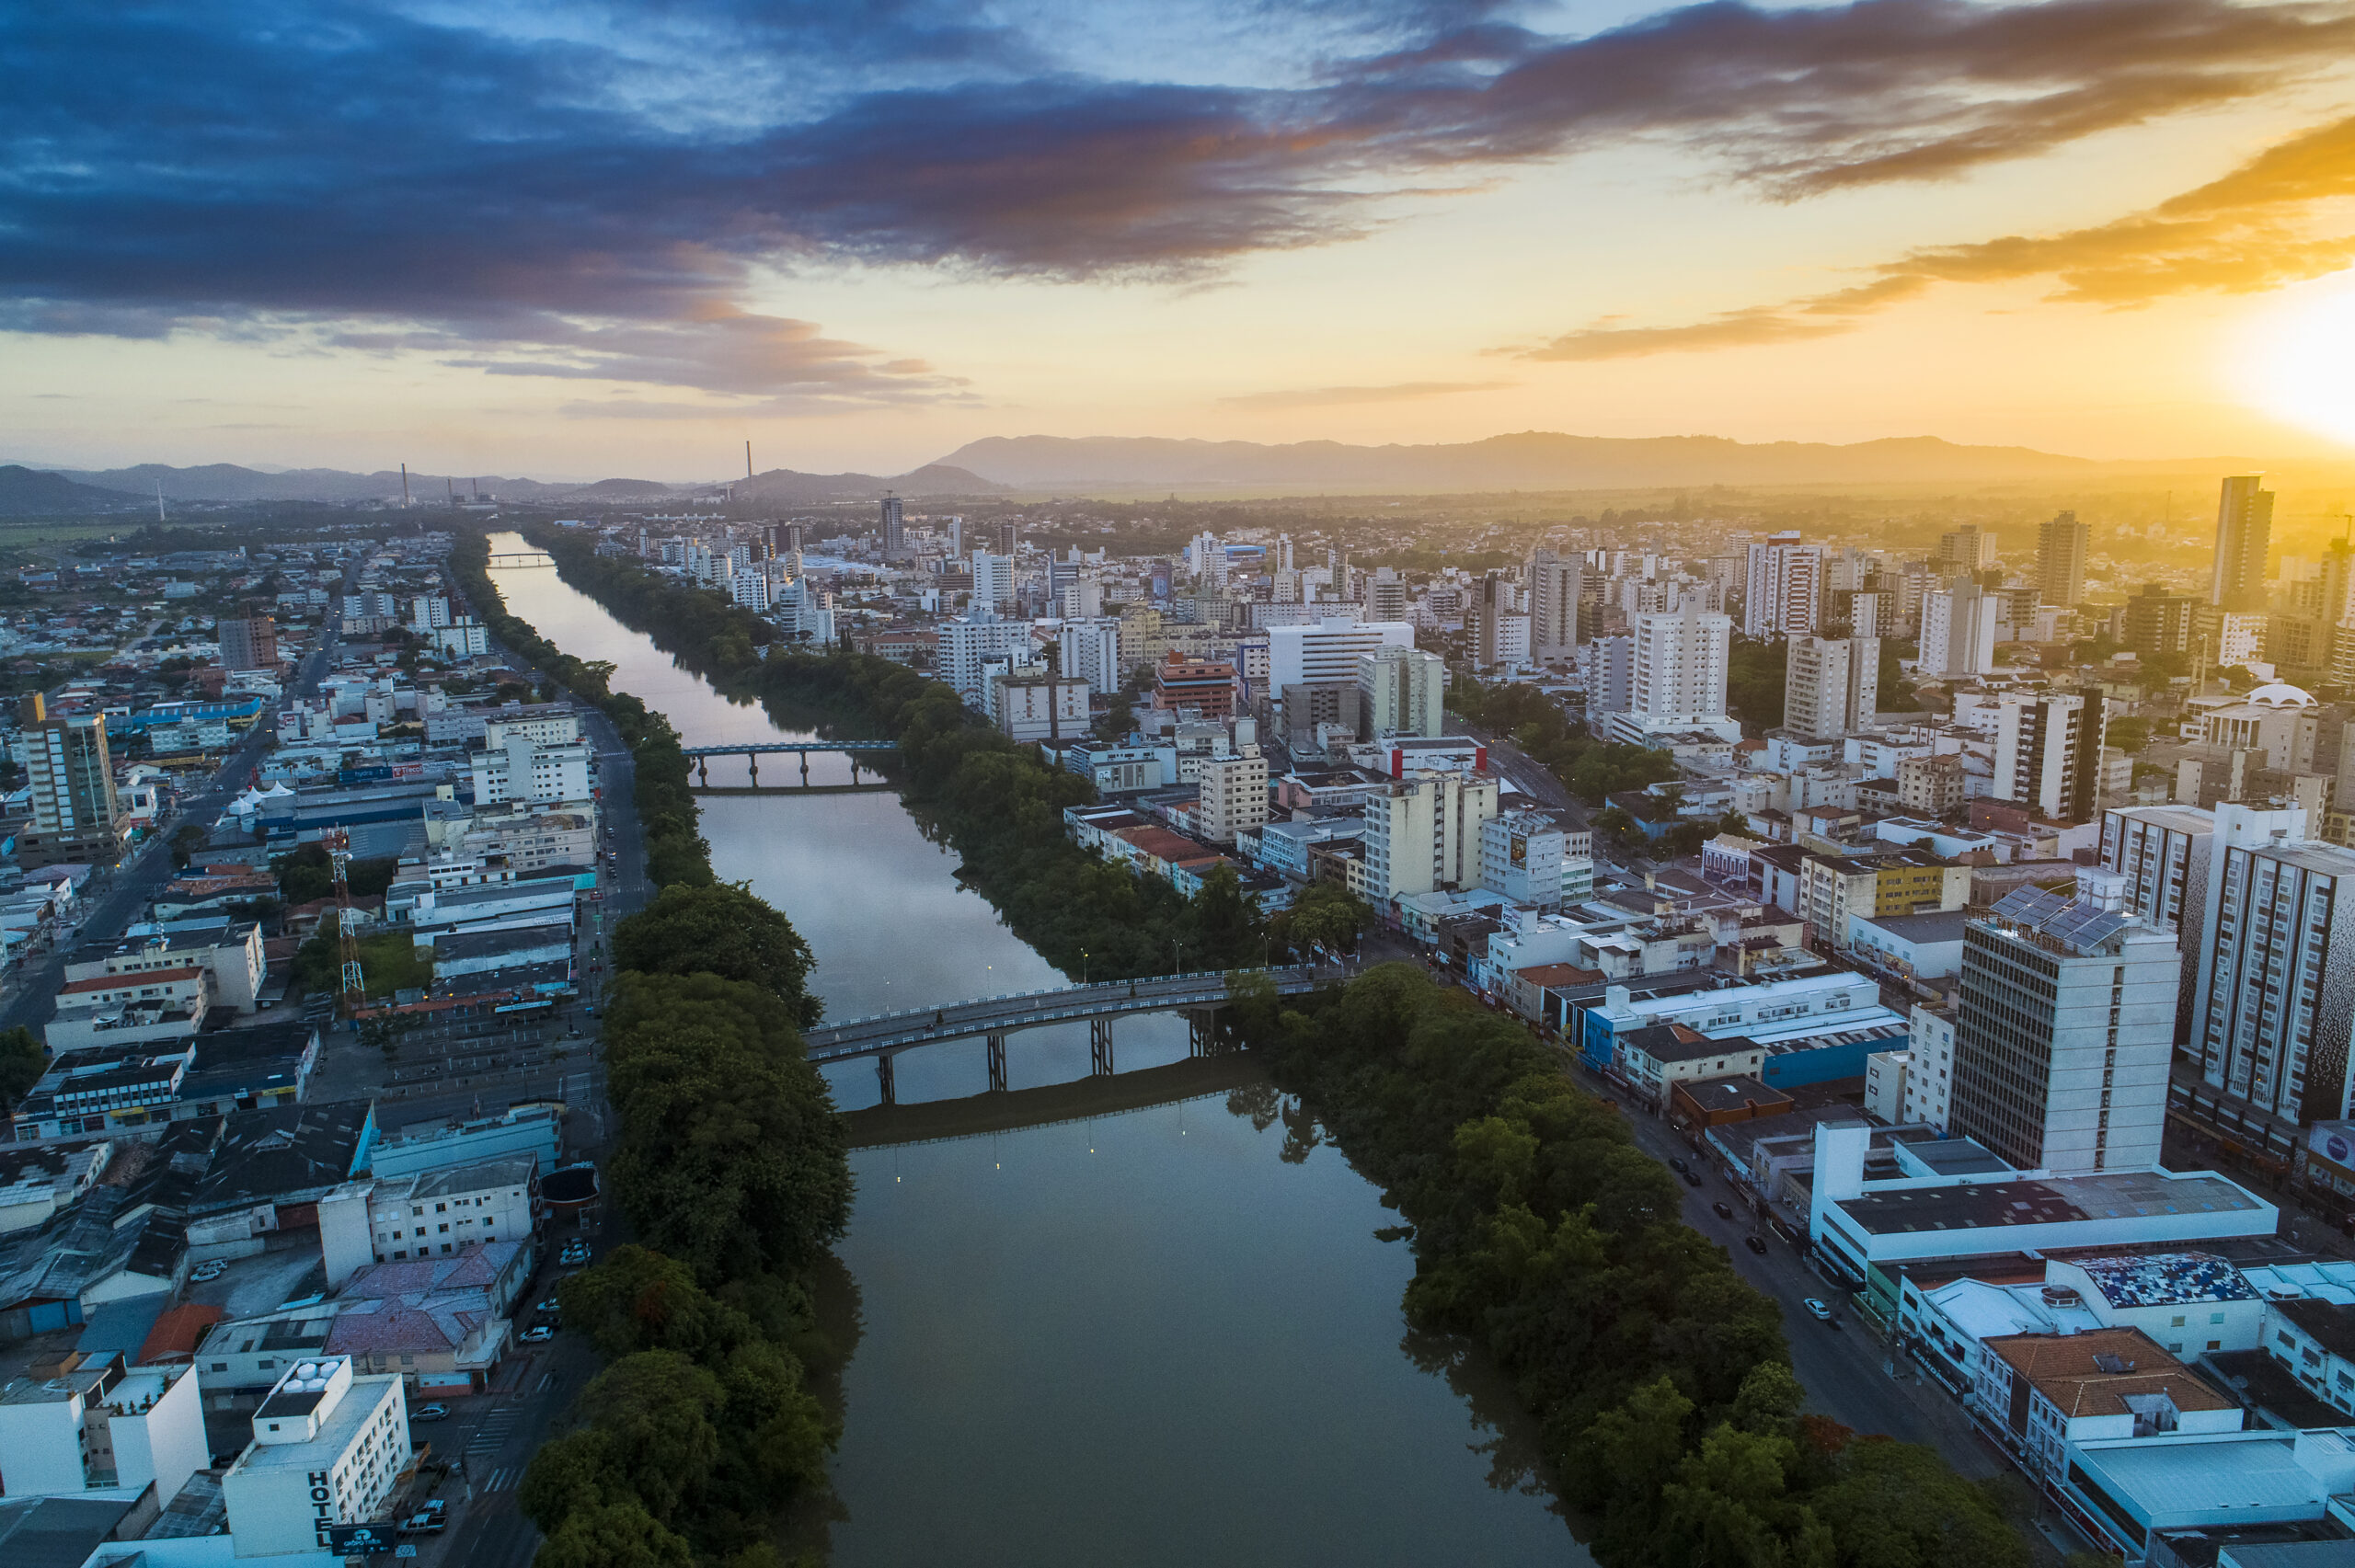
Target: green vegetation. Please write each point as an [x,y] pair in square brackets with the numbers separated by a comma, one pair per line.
[1592,769]
[308,873]
[22,1060]
[1660,1378]
[2129,732]
[725,930]
[1754,681]
[388,963]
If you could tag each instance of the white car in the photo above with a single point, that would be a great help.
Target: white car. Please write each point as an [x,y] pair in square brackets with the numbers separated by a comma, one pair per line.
[206,1272]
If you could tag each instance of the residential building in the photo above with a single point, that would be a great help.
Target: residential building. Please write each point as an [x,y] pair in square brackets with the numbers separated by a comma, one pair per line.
[1931,786]
[1680,682]
[1885,1075]
[2276,988]
[1522,855]
[1554,583]
[1423,833]
[1234,795]
[328,1445]
[427,1213]
[77,815]
[969,643]
[1929,1069]
[2060,560]
[1039,706]
[1785,587]
[2065,1024]
[1091,652]
[2048,754]
[1611,676]
[892,518]
[1967,549]
[1401,690]
[2158,622]
[2243,541]
[104,1432]
[1206,685]
[1831,685]
[251,641]
[523,770]
[1958,631]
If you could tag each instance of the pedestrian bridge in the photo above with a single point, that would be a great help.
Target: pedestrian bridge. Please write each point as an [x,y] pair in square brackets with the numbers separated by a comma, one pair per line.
[753,751]
[885,1035]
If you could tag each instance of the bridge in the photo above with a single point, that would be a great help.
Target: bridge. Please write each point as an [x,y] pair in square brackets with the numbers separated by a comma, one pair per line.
[522,559]
[885,1035]
[753,751]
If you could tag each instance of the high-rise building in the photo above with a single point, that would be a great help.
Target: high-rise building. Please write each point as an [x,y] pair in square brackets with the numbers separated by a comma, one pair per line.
[1959,631]
[992,579]
[1968,549]
[1554,583]
[895,529]
[2158,622]
[967,644]
[251,641]
[1785,593]
[2064,1025]
[1520,856]
[1385,595]
[1610,676]
[77,816]
[2243,540]
[1831,685]
[1423,832]
[2165,858]
[2060,560]
[2048,754]
[1234,795]
[2273,999]
[1679,683]
[1091,652]
[1009,538]
[1401,690]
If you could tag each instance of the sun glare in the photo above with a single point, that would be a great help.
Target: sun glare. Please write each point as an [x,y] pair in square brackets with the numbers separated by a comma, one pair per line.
[2299,363]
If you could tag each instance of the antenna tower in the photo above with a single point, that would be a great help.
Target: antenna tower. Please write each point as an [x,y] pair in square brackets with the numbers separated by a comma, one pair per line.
[339,852]
[748,460]
[404,487]
[160,500]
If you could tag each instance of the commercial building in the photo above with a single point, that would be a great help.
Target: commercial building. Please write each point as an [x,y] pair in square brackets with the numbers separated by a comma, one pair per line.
[891,518]
[2060,560]
[1326,654]
[1039,706]
[1522,856]
[524,771]
[1831,685]
[1401,690]
[2046,1392]
[2216,1492]
[2244,541]
[1785,587]
[427,1213]
[1206,685]
[1959,631]
[2047,755]
[2063,1030]
[329,1443]
[1234,795]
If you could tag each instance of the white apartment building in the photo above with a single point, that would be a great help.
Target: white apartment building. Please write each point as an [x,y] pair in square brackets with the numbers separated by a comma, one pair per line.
[103,1432]
[2273,999]
[992,579]
[426,1214]
[1327,653]
[1682,657]
[967,644]
[328,1445]
[1831,685]
[2048,754]
[1039,707]
[1555,584]
[2064,1026]
[1785,588]
[1091,652]
[1522,855]
[1959,631]
[543,728]
[751,590]
[1234,795]
[1422,832]
[1401,690]
[463,638]
[1929,1067]
[1609,667]
[525,772]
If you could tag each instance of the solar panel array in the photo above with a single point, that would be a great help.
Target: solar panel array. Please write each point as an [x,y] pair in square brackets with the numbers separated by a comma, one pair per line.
[2081,925]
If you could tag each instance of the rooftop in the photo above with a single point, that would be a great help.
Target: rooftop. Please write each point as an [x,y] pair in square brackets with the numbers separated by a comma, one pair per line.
[2112,1195]
[2179,1475]
[2327,1323]
[2157,1280]
[2098,1371]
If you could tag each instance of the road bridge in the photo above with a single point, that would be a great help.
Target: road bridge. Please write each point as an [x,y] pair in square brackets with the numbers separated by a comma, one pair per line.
[885,1035]
[522,558]
[753,751]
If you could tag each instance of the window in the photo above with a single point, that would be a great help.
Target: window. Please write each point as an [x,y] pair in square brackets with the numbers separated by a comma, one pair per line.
[2215,1345]
[2176,1321]
[2215,1317]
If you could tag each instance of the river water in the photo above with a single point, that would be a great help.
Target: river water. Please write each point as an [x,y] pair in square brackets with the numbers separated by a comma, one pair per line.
[1167,1335]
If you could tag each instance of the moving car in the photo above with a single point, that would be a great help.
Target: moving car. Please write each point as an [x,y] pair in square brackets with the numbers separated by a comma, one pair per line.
[1721,1211]
[1679,1166]
[429,1412]
[550,1305]
[539,1335]
[1692,1178]
[423,1524]
[1755,1242]
[1821,1312]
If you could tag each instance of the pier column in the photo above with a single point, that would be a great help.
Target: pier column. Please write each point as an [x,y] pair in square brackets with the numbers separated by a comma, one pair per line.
[997,1062]
[753,761]
[883,1077]
[1201,1032]
[805,769]
[703,771]
[853,769]
[1099,1046]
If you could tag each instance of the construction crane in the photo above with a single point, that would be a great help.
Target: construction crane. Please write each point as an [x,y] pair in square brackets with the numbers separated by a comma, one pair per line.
[353,988]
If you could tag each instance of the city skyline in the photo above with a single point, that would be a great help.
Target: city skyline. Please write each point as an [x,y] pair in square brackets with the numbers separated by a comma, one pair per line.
[627,242]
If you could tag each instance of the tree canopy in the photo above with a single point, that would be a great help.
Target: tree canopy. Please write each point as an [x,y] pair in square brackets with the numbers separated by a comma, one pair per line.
[723,929]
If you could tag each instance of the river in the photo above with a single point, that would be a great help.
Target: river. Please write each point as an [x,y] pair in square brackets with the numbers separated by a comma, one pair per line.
[1167,1335]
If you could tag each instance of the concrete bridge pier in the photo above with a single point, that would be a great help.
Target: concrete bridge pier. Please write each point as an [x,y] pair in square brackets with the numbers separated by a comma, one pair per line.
[805,769]
[703,770]
[853,769]
[997,1062]
[883,1077]
[1201,1031]
[1099,1046]
[752,761]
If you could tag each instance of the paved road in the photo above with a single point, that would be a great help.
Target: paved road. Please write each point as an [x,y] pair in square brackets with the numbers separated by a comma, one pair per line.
[114,896]
[1532,777]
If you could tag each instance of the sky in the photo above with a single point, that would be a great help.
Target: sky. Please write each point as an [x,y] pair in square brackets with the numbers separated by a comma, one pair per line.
[579,240]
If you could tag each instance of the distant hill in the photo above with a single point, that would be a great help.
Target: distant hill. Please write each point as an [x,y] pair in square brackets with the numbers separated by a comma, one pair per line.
[1534,460]
[789,487]
[28,492]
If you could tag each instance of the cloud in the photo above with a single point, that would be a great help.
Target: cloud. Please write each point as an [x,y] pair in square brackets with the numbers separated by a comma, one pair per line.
[2268,223]
[597,191]
[1338,396]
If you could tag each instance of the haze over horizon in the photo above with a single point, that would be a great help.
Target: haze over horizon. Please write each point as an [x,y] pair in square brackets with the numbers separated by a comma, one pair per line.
[623,244]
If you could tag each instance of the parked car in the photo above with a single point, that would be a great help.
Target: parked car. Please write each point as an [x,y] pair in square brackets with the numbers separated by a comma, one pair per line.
[1692,1178]
[437,1505]
[204,1271]
[1821,1311]
[1755,1242]
[551,1305]
[1677,1165]
[1784,1231]
[575,1253]
[429,1412]
[1721,1211]
[423,1524]
[539,1335]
